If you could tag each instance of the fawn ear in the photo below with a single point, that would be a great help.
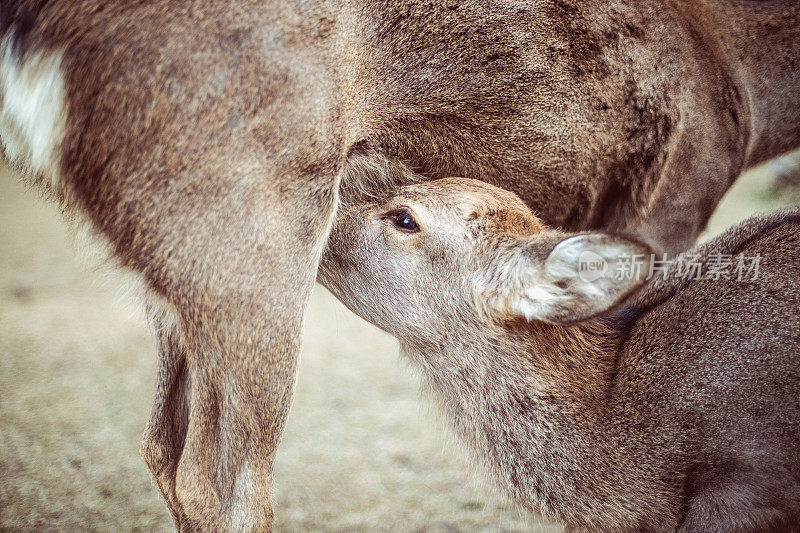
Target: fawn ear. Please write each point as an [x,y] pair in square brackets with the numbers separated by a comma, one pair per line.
[582,276]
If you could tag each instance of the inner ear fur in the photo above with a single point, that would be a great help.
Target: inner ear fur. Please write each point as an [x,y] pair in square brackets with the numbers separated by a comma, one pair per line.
[580,294]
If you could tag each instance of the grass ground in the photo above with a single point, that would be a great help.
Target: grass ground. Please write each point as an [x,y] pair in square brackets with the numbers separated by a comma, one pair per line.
[363,451]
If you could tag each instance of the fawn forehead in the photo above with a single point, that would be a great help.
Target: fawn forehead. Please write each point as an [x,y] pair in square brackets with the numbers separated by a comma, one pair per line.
[473,202]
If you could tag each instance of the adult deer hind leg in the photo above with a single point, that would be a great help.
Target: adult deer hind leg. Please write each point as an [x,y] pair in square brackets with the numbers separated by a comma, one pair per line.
[230,304]
[165,434]
[209,159]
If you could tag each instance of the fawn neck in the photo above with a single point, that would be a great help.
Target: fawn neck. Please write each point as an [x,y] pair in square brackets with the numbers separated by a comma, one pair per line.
[532,400]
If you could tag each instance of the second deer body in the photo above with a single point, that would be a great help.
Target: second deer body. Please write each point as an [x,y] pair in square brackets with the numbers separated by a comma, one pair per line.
[680,410]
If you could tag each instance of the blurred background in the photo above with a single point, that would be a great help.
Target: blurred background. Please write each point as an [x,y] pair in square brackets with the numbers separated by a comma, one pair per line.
[363,449]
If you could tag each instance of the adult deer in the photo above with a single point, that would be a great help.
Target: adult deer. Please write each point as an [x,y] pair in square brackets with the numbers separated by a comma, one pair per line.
[680,413]
[208,143]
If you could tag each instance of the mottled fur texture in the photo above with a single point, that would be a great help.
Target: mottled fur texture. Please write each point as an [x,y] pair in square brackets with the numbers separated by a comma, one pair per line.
[209,144]
[678,412]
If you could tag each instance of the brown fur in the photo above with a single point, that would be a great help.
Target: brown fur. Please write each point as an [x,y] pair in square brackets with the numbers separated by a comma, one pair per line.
[678,412]
[209,143]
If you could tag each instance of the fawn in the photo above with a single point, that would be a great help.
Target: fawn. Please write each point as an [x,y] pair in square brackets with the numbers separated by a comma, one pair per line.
[610,403]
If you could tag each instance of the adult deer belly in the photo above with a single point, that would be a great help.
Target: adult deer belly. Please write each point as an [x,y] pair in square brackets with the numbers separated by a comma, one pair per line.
[559,107]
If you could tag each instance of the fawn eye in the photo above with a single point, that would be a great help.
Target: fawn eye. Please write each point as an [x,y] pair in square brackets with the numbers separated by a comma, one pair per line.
[402,220]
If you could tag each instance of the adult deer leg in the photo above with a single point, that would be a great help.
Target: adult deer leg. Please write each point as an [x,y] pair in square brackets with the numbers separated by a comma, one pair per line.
[699,168]
[165,433]
[231,301]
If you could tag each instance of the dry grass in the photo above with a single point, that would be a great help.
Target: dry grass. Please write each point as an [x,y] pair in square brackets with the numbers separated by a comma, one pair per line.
[362,450]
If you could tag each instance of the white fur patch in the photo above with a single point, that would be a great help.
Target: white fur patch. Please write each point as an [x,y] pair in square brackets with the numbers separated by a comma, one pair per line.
[161,314]
[32,110]
[536,301]
[32,127]
[97,256]
[243,513]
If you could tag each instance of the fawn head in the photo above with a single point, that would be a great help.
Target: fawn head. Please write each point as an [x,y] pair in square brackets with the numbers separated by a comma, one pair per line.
[453,250]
